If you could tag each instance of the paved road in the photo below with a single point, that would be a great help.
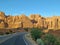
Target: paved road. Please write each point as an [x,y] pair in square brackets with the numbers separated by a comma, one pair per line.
[15,40]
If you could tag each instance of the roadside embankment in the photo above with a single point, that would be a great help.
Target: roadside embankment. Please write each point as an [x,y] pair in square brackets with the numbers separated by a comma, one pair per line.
[30,40]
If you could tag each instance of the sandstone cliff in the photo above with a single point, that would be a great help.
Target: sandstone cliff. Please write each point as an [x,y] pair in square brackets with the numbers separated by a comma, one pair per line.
[34,20]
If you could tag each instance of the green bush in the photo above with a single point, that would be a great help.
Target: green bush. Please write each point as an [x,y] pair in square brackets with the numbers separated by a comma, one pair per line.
[49,39]
[40,42]
[57,43]
[36,33]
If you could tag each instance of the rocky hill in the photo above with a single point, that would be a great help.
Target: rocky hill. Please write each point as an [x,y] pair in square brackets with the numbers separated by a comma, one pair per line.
[34,20]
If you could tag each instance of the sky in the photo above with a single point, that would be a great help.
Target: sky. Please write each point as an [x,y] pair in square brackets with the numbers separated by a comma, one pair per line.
[45,8]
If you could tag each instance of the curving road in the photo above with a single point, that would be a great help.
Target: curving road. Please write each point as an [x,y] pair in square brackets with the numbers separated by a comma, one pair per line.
[17,39]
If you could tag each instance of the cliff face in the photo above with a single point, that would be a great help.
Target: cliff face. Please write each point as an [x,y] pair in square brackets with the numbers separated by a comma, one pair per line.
[2,16]
[2,20]
[19,21]
[34,20]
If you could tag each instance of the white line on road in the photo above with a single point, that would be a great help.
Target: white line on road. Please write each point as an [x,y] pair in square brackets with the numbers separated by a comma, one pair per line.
[25,40]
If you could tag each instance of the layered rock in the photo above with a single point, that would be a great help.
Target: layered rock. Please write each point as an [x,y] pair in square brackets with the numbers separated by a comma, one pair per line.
[2,20]
[26,22]
[39,22]
[2,16]
[53,22]
[12,21]
[19,21]
[2,25]
[34,20]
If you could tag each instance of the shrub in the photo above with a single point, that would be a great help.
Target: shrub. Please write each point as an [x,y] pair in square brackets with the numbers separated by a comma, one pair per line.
[36,33]
[57,43]
[40,42]
[49,39]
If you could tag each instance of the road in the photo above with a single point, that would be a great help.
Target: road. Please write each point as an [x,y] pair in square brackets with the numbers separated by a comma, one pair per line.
[15,40]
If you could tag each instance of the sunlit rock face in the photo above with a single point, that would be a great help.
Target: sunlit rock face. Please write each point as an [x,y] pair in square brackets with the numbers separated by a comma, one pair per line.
[41,23]
[19,21]
[49,22]
[38,21]
[26,22]
[53,22]
[2,25]
[56,22]
[59,23]
[2,20]
[34,17]
[13,21]
[2,16]
[33,21]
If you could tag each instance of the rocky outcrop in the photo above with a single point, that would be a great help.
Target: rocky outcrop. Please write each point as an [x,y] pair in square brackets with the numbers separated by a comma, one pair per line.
[38,21]
[34,20]
[2,16]
[26,22]
[2,20]
[19,21]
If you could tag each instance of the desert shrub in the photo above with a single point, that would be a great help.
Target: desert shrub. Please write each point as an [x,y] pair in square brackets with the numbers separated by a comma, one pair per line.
[57,43]
[40,42]
[36,33]
[49,39]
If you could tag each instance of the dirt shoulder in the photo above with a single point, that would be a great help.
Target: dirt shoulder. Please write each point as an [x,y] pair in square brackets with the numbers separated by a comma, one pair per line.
[28,37]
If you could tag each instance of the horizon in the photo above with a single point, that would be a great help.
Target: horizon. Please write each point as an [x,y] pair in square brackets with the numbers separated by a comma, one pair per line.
[28,15]
[46,8]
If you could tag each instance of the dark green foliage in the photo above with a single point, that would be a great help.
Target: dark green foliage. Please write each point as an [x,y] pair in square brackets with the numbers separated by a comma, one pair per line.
[57,43]
[40,42]
[49,39]
[36,33]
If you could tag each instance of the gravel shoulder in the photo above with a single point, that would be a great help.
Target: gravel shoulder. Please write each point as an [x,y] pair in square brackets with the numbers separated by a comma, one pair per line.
[30,40]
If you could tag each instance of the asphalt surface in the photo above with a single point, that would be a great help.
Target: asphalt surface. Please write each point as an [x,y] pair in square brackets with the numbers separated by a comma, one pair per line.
[15,40]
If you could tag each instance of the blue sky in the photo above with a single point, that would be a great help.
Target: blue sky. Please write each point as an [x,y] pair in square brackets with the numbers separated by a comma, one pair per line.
[45,8]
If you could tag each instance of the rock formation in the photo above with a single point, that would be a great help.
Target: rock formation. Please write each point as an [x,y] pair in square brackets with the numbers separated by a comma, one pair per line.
[26,22]
[34,20]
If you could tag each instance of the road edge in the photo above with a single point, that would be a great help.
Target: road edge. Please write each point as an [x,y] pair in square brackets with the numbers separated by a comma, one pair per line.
[28,41]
